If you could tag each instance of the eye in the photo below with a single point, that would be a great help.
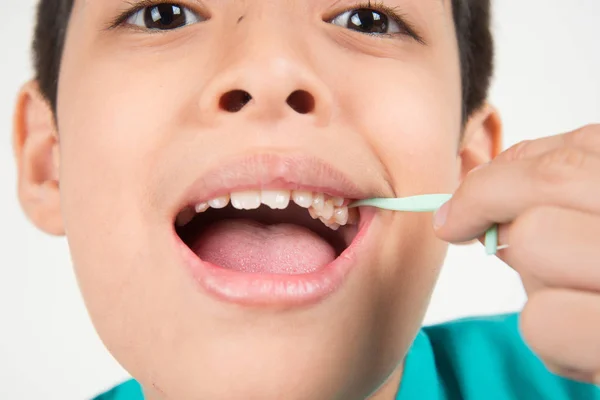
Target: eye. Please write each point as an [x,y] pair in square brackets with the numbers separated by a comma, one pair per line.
[163,16]
[366,20]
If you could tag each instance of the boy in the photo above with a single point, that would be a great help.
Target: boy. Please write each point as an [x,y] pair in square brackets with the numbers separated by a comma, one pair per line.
[154,131]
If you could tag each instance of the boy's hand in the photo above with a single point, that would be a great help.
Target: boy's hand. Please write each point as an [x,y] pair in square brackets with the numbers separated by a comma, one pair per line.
[546,196]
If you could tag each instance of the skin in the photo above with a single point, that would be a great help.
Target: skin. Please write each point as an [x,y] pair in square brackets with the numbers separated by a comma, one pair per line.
[138,122]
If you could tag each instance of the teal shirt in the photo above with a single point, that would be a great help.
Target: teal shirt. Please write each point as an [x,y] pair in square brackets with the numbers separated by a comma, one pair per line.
[476,358]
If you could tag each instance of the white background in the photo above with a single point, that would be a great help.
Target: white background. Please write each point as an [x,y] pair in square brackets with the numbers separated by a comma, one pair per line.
[547,82]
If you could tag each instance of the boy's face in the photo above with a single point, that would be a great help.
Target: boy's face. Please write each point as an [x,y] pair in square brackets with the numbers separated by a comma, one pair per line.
[145,117]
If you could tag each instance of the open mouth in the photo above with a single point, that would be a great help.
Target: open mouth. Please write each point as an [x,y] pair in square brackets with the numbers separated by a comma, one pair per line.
[269,231]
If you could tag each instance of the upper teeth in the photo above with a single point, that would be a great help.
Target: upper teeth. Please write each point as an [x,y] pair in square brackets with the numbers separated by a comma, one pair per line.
[277,200]
[219,202]
[332,211]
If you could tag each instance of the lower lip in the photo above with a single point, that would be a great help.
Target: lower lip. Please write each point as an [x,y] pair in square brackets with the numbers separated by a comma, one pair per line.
[277,289]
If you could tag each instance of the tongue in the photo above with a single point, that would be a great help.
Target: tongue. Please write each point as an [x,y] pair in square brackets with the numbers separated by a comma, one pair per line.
[249,246]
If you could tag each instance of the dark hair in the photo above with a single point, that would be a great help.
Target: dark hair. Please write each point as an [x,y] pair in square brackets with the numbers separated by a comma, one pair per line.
[471,19]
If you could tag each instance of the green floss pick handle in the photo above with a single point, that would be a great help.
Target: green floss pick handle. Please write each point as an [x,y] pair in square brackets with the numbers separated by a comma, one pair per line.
[425,203]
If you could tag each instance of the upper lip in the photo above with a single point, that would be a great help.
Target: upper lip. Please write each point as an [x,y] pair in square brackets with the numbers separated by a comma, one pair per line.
[272,171]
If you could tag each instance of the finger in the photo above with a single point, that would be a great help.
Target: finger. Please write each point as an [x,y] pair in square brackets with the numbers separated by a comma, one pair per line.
[530,283]
[498,193]
[561,327]
[586,139]
[557,247]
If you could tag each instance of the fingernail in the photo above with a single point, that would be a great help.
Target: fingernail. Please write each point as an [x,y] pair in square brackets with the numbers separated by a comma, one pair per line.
[477,168]
[440,216]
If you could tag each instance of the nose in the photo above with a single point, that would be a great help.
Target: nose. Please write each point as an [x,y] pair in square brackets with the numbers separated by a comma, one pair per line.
[301,101]
[266,82]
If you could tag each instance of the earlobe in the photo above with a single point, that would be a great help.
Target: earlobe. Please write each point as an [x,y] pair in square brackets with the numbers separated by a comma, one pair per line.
[482,139]
[35,146]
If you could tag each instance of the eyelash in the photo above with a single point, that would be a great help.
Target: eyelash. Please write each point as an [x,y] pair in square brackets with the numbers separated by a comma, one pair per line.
[138,6]
[393,12]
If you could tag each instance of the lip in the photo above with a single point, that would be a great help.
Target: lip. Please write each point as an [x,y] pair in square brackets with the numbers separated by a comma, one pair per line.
[277,290]
[271,171]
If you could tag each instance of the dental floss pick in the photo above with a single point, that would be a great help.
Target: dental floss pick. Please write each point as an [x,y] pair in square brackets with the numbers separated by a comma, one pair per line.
[425,203]
[491,241]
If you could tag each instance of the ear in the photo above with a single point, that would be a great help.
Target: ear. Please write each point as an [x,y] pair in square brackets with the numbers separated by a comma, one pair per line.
[482,139]
[35,145]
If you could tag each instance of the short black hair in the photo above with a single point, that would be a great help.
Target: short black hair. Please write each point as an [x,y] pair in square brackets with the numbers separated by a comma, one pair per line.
[472,21]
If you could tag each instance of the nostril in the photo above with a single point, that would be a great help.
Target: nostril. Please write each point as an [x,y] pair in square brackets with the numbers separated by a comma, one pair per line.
[234,100]
[301,101]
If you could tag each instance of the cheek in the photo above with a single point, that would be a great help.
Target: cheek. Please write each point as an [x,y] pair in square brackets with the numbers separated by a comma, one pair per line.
[117,118]
[114,127]
[412,116]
